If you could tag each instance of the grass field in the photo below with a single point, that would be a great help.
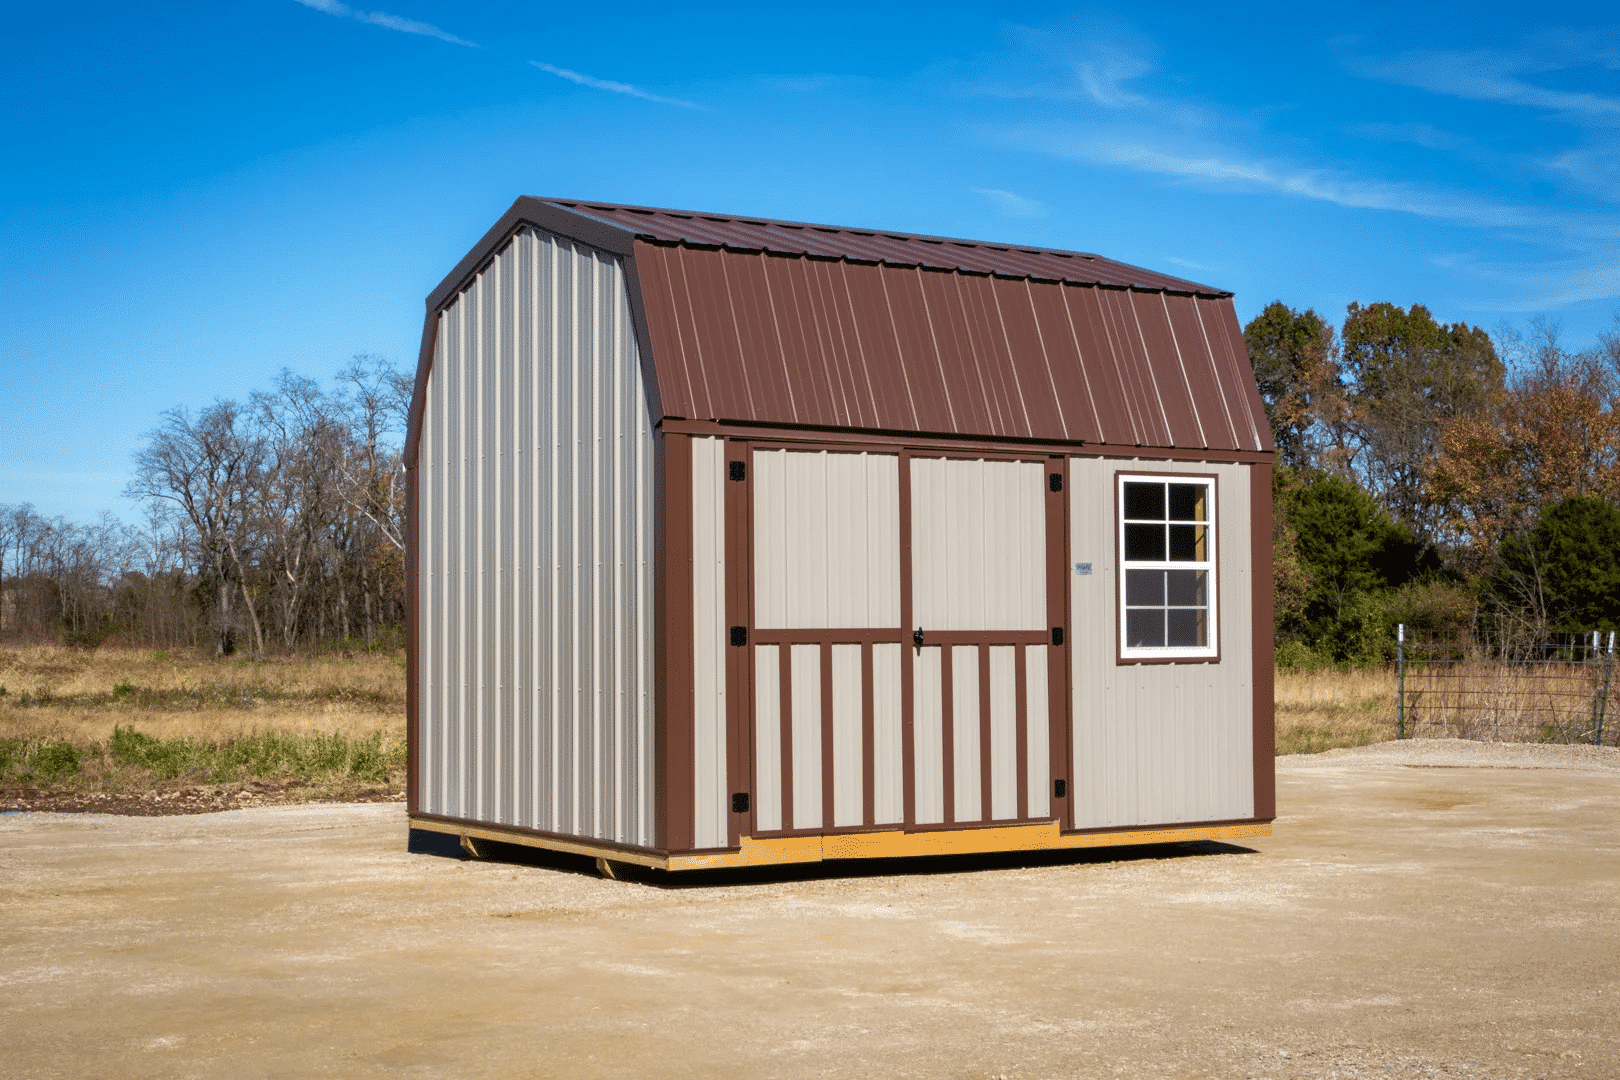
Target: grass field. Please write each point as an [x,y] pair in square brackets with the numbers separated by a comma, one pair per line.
[114,724]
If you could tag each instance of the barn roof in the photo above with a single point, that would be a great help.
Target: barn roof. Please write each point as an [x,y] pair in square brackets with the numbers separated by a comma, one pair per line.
[780,323]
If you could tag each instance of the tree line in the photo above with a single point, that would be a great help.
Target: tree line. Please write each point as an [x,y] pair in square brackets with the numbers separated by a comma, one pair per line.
[273,523]
[1434,475]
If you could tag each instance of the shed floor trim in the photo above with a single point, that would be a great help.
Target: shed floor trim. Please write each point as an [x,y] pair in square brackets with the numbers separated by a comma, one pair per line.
[1041,836]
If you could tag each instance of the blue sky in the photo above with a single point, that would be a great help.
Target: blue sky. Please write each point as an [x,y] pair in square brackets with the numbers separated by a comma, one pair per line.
[196,195]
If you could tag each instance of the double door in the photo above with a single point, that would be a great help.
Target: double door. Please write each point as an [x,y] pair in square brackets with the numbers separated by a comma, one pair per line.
[903,665]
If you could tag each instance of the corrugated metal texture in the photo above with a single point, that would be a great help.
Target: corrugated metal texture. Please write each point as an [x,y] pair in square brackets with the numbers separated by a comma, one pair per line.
[709,805]
[978,544]
[798,340]
[848,742]
[806,673]
[1159,743]
[1038,720]
[768,737]
[888,764]
[965,742]
[1003,732]
[928,735]
[535,543]
[826,540]
[866,245]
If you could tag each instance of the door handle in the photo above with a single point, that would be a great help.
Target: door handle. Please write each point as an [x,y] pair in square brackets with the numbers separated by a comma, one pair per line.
[917,637]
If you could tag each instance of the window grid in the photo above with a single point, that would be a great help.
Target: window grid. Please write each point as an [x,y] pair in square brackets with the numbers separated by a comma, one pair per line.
[1167,569]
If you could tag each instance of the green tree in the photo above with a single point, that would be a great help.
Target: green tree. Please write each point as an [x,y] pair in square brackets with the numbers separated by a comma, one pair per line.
[1408,377]
[1296,366]
[1562,576]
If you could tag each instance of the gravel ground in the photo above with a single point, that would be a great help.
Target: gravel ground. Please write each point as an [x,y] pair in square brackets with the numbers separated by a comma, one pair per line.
[1424,910]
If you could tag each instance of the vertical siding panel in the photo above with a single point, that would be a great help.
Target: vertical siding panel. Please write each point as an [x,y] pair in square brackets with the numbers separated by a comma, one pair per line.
[1003,721]
[849,801]
[1038,719]
[708,651]
[965,721]
[770,539]
[430,564]
[806,661]
[768,737]
[927,727]
[888,775]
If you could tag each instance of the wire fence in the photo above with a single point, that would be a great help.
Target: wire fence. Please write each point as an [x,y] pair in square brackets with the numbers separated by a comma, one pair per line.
[1559,692]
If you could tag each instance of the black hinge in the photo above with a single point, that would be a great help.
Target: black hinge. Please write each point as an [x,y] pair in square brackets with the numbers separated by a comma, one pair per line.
[1060,789]
[738,470]
[1057,635]
[739,802]
[1054,481]
[739,635]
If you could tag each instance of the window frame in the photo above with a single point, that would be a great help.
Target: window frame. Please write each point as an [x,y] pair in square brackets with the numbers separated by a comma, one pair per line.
[1168,654]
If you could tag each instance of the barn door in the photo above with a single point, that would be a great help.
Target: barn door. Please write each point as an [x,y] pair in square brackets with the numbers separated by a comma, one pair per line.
[825,640]
[987,573]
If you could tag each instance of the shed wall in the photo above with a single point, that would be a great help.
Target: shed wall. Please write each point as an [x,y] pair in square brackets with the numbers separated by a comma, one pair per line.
[1159,743]
[535,552]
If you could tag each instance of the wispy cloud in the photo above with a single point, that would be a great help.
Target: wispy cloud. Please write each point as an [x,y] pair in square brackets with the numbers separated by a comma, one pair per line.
[1011,203]
[1541,286]
[384,20]
[612,87]
[1188,263]
[1425,135]
[1505,77]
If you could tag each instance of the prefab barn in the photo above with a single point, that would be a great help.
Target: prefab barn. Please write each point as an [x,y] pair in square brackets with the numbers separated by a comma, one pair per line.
[738,541]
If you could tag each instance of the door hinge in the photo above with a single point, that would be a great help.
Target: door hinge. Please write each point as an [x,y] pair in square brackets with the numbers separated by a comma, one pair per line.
[1060,789]
[1054,481]
[738,470]
[739,635]
[1057,635]
[739,802]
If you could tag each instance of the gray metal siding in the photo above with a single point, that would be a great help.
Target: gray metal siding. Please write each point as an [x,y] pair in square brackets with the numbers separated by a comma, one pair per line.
[1159,743]
[536,541]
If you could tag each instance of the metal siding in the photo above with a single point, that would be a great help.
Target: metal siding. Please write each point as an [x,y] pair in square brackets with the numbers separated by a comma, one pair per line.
[978,544]
[849,796]
[826,540]
[1038,719]
[1159,743]
[806,661]
[967,776]
[536,473]
[888,764]
[1003,731]
[709,641]
[767,737]
[928,740]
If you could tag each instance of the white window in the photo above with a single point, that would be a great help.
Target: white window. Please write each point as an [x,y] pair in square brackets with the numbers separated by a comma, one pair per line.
[1167,567]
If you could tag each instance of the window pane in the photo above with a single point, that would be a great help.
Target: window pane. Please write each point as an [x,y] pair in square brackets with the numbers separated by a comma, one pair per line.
[1185,588]
[1144,501]
[1188,627]
[1144,629]
[1145,587]
[1187,502]
[1144,543]
[1189,543]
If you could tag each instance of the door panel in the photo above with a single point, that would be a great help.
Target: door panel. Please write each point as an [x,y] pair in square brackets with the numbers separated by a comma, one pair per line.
[928,735]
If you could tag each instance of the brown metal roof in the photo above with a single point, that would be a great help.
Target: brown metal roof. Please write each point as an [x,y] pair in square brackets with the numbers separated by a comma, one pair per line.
[778,323]
[873,246]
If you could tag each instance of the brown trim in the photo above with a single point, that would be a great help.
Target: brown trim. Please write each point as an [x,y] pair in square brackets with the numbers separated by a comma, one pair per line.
[987,747]
[930,442]
[413,640]
[1059,612]
[1214,564]
[677,684]
[985,637]
[868,734]
[908,665]
[739,668]
[828,762]
[1262,621]
[652,392]
[853,635]
[947,733]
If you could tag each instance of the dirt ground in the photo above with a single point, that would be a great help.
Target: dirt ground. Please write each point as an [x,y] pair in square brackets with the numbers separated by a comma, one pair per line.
[1424,910]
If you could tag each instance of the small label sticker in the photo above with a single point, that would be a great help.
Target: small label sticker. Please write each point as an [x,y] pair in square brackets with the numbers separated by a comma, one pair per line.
[1082,568]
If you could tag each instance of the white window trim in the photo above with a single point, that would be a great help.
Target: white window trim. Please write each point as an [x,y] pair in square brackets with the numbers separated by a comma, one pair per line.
[1212,651]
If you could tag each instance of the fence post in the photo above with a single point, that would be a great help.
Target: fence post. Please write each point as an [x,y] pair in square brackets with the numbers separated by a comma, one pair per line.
[1400,680]
[1603,697]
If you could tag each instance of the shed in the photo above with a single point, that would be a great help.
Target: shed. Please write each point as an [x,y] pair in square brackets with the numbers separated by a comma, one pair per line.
[737,541]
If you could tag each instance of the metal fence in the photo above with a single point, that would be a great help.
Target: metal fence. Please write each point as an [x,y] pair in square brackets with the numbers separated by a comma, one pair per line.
[1544,692]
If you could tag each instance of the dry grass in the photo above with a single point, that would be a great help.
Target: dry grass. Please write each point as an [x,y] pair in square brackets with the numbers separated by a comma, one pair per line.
[1328,709]
[80,695]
